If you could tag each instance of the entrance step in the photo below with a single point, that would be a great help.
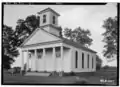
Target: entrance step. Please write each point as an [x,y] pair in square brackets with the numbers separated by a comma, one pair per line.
[37,74]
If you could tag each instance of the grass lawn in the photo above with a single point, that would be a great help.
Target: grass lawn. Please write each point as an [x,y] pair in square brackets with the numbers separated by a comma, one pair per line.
[37,80]
[93,78]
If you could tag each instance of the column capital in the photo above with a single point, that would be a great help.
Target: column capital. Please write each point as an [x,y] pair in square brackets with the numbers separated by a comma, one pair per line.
[61,45]
[43,48]
[35,49]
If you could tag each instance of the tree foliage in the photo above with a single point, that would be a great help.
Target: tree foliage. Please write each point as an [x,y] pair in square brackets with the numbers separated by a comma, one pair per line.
[79,35]
[98,62]
[9,48]
[25,27]
[110,37]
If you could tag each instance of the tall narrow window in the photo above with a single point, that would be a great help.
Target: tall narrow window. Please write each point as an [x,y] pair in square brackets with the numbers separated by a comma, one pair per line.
[82,60]
[88,61]
[76,57]
[53,19]
[92,62]
[44,18]
[38,18]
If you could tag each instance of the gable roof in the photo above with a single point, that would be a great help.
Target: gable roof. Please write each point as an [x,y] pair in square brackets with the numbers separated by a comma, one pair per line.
[49,9]
[77,45]
[64,40]
[72,43]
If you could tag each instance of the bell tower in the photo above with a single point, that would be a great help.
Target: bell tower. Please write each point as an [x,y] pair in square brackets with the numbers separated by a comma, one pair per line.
[48,20]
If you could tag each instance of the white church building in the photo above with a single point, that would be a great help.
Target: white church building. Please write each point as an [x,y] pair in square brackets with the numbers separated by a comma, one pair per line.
[46,50]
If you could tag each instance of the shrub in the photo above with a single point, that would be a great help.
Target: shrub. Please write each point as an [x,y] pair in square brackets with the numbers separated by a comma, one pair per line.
[69,74]
[54,73]
[82,82]
[105,67]
[113,78]
[12,71]
[17,69]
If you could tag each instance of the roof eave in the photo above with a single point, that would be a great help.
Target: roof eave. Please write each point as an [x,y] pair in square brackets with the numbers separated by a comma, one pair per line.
[50,10]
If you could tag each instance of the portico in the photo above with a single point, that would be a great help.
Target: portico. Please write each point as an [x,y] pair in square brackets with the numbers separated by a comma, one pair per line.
[44,58]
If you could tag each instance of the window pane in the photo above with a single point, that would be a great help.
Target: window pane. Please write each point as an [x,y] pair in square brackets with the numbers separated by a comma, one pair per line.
[53,19]
[88,60]
[82,60]
[76,57]
[38,18]
[92,62]
[58,54]
[44,18]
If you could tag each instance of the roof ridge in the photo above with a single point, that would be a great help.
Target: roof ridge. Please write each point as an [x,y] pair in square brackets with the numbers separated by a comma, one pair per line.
[73,42]
[50,10]
[64,40]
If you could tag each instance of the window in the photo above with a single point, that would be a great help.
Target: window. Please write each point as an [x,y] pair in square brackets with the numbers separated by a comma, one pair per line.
[38,18]
[82,60]
[92,62]
[53,19]
[39,54]
[44,18]
[30,55]
[58,54]
[88,61]
[76,57]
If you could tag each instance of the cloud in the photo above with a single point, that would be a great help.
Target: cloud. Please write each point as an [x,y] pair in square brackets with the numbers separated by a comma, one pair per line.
[92,18]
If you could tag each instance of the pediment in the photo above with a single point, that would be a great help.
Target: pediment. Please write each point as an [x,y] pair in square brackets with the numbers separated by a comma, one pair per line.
[40,36]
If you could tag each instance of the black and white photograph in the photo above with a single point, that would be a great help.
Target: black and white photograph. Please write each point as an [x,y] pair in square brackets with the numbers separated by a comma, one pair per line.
[60,43]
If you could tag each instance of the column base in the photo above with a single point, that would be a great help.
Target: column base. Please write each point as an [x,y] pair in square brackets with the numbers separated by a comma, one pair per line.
[61,73]
[54,73]
[22,72]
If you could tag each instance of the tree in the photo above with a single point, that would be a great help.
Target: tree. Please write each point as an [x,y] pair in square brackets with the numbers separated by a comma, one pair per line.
[9,48]
[110,37]
[25,27]
[105,67]
[32,22]
[98,62]
[79,35]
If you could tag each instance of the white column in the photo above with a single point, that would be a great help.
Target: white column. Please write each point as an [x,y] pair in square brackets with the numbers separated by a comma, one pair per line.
[27,60]
[53,56]
[62,62]
[36,59]
[22,60]
[44,58]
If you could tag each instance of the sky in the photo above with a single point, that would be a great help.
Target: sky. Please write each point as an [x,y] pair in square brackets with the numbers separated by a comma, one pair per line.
[72,16]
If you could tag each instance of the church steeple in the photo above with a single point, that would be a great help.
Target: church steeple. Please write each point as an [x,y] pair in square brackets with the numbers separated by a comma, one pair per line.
[48,20]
